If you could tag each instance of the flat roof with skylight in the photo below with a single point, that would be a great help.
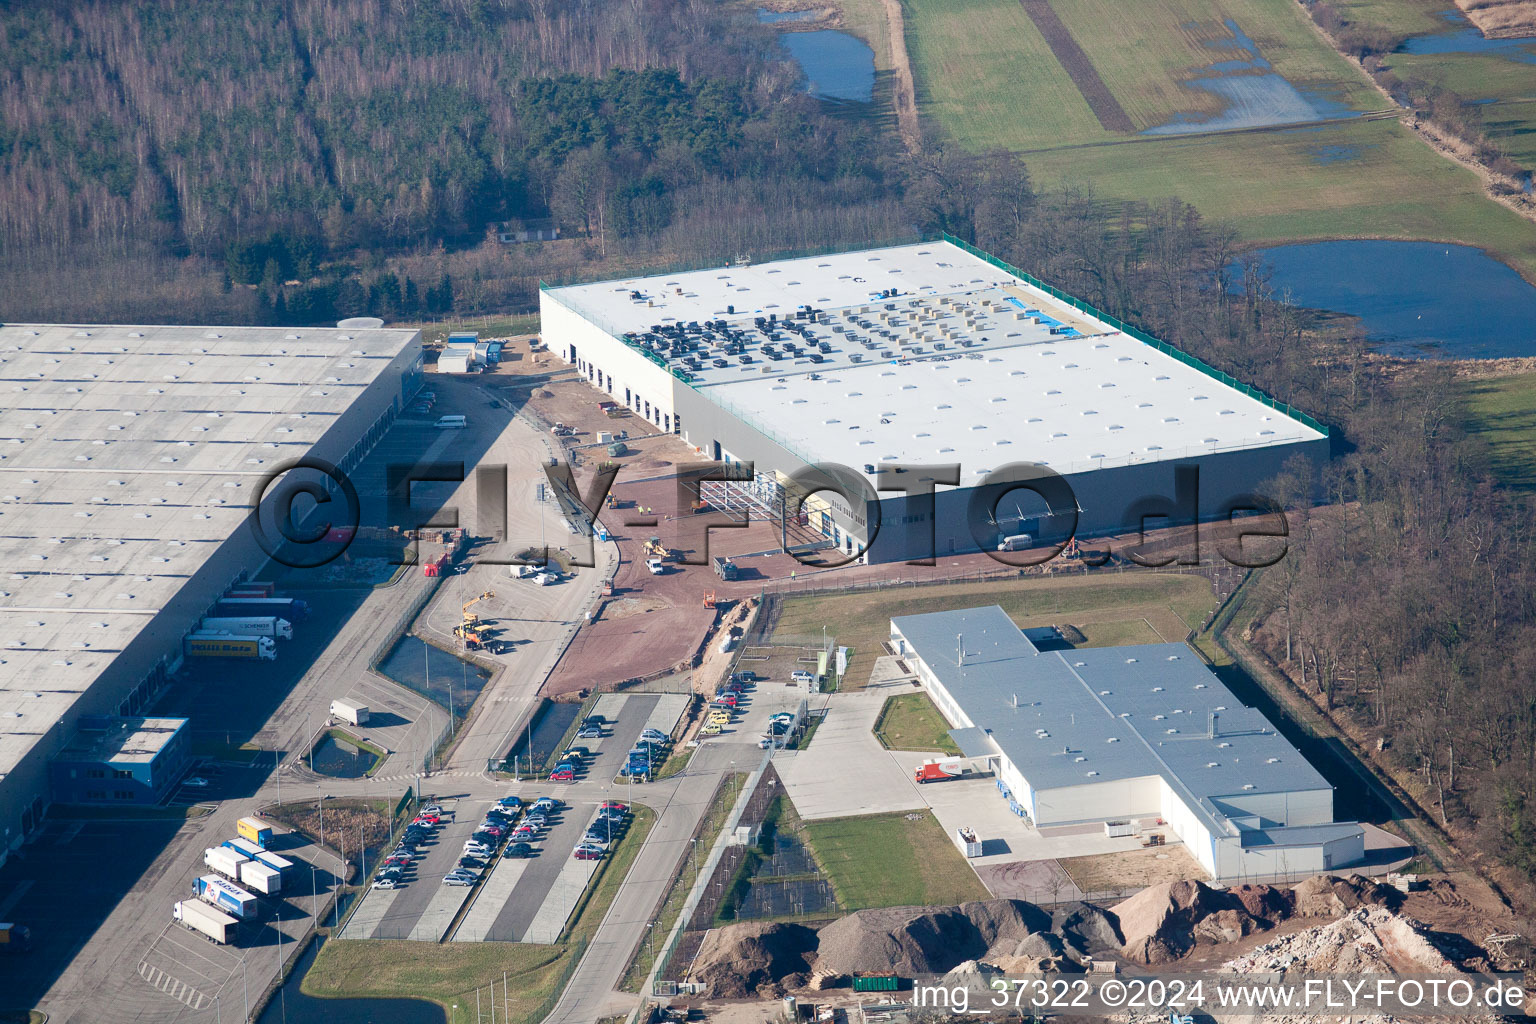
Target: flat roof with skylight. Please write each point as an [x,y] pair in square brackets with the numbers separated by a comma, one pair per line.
[926,353]
[128,455]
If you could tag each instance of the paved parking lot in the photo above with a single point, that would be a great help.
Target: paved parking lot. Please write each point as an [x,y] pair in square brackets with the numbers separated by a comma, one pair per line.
[845,771]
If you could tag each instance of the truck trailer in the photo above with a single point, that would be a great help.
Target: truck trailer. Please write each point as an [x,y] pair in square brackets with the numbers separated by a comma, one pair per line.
[227,896]
[289,608]
[350,711]
[940,770]
[225,861]
[725,568]
[250,625]
[254,830]
[265,880]
[227,645]
[252,588]
[200,917]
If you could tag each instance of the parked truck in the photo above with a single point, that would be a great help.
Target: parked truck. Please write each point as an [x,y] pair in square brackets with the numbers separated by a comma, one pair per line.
[244,847]
[225,861]
[252,588]
[289,608]
[250,625]
[254,830]
[965,839]
[203,644]
[350,711]
[266,880]
[15,938]
[200,917]
[940,770]
[725,568]
[227,896]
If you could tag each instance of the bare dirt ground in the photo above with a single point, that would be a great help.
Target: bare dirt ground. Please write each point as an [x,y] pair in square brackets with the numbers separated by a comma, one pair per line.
[905,92]
[1137,868]
[1078,67]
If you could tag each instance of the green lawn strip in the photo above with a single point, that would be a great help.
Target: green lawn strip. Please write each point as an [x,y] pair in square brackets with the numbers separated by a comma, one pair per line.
[677,894]
[910,721]
[488,327]
[676,763]
[885,860]
[1503,411]
[449,973]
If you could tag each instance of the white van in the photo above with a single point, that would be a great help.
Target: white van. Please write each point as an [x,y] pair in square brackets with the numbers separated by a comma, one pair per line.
[451,423]
[1017,542]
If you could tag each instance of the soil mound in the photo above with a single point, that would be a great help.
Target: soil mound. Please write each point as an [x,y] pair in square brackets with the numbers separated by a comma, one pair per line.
[924,940]
[1367,940]
[1160,923]
[1332,895]
[751,960]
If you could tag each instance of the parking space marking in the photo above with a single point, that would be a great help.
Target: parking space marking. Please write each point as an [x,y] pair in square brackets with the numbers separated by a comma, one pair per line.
[173,987]
[492,898]
[575,875]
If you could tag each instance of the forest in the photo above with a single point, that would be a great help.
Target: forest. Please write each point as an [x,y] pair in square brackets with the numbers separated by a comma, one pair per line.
[197,162]
[254,162]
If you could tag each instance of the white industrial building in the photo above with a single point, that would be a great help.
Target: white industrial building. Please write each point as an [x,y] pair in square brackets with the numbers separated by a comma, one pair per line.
[923,354]
[1125,733]
[129,457]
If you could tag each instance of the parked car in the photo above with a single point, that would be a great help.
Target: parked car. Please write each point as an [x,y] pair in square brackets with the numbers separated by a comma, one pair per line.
[429,818]
[511,803]
[398,860]
[495,828]
[589,732]
[588,853]
[461,880]
[546,804]
[519,850]
[471,862]
[562,775]
[802,676]
[385,883]
[614,805]
[478,849]
[536,819]
[432,809]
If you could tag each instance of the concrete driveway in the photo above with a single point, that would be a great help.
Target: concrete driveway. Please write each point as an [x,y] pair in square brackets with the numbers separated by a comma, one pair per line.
[845,771]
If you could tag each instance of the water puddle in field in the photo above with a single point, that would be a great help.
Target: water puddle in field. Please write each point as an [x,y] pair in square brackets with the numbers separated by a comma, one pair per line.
[335,757]
[1467,39]
[1414,299]
[1253,94]
[837,65]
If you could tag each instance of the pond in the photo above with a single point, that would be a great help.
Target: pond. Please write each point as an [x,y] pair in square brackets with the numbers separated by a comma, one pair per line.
[291,1006]
[339,759]
[837,65]
[1414,299]
[1469,40]
[546,732]
[1253,94]
[436,673]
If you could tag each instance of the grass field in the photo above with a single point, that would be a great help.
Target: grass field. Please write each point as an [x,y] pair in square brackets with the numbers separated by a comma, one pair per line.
[1110,610]
[987,78]
[911,722]
[1503,411]
[884,860]
[448,974]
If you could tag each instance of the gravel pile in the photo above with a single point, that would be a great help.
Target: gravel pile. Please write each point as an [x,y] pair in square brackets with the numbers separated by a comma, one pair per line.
[751,960]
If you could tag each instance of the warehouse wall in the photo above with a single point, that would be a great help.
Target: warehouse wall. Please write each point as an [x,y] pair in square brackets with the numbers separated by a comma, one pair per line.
[1096,801]
[1105,497]
[1308,807]
[579,341]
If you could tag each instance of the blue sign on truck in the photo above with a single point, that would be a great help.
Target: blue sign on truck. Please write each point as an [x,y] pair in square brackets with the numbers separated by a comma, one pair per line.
[226,896]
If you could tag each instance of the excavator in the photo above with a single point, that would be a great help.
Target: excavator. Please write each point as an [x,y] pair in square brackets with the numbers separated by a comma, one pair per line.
[469,616]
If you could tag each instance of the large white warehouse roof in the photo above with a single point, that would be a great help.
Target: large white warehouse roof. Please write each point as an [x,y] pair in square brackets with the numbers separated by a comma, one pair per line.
[964,363]
[127,456]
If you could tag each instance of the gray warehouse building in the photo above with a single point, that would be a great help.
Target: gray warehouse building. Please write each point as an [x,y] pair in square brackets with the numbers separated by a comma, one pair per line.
[931,354]
[129,461]
[1124,733]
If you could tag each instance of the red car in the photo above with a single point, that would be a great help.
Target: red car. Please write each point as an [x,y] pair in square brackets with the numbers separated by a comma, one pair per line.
[588,853]
[614,805]
[562,776]
[494,830]
[428,819]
